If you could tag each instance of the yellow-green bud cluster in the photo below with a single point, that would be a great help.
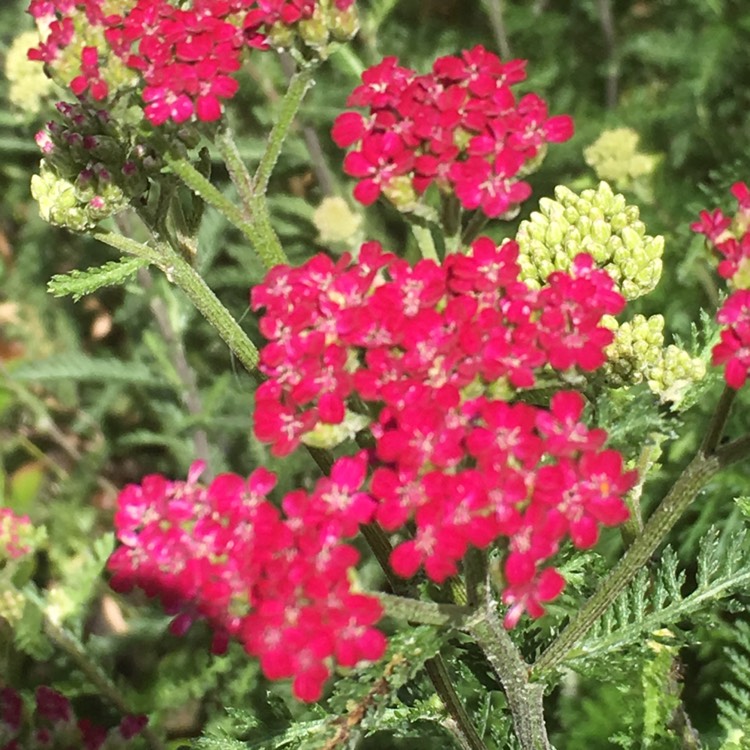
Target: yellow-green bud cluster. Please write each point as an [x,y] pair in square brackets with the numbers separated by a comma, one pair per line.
[638,354]
[636,349]
[675,373]
[598,222]
[74,204]
[326,26]
[11,603]
[614,156]
[29,85]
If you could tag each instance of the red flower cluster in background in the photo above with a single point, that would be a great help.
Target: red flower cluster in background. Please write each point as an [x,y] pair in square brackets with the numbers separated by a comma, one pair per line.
[459,127]
[429,346]
[54,724]
[185,56]
[730,237]
[279,583]
[14,533]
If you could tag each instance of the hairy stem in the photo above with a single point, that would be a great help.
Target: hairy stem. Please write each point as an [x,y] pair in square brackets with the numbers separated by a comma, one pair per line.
[299,84]
[683,492]
[204,189]
[694,477]
[441,680]
[525,698]
[254,206]
[183,275]
[426,613]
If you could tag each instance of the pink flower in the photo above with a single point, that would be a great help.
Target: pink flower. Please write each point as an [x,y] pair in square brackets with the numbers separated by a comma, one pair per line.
[733,350]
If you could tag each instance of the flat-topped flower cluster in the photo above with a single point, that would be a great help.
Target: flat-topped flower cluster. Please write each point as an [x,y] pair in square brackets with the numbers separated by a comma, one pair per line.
[185,56]
[459,127]
[435,354]
[279,581]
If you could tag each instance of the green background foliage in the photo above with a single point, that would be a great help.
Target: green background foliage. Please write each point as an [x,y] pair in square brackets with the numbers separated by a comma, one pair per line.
[130,380]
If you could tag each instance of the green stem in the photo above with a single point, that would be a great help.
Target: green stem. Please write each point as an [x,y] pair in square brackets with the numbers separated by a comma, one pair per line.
[203,188]
[441,680]
[718,421]
[707,462]
[476,224]
[525,698]
[683,492]
[254,206]
[436,670]
[425,613]
[425,242]
[183,275]
[299,83]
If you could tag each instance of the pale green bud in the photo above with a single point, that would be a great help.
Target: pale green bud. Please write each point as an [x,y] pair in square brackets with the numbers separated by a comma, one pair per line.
[571,215]
[401,193]
[601,231]
[555,234]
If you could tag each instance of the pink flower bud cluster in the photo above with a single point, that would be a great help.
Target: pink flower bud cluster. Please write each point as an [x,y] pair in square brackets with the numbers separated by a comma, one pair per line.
[55,725]
[277,581]
[185,55]
[436,352]
[15,532]
[730,237]
[459,127]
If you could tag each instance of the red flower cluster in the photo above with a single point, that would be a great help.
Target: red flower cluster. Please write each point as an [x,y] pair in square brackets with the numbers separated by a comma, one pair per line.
[731,239]
[278,583]
[185,56]
[459,127]
[432,346]
[14,533]
[54,724]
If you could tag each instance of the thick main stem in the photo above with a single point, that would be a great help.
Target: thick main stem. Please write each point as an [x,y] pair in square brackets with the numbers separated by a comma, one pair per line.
[689,484]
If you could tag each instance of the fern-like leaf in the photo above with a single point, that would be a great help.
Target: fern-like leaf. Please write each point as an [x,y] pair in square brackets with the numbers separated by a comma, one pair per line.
[80,283]
[734,710]
[80,367]
[655,600]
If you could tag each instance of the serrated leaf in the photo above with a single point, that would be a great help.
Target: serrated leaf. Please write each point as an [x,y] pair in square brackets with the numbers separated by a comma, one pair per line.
[80,283]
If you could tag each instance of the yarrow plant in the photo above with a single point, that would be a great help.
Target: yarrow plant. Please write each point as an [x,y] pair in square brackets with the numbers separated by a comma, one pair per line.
[465,397]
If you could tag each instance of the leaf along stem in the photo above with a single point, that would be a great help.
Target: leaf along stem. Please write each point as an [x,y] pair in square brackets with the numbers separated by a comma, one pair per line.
[183,275]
